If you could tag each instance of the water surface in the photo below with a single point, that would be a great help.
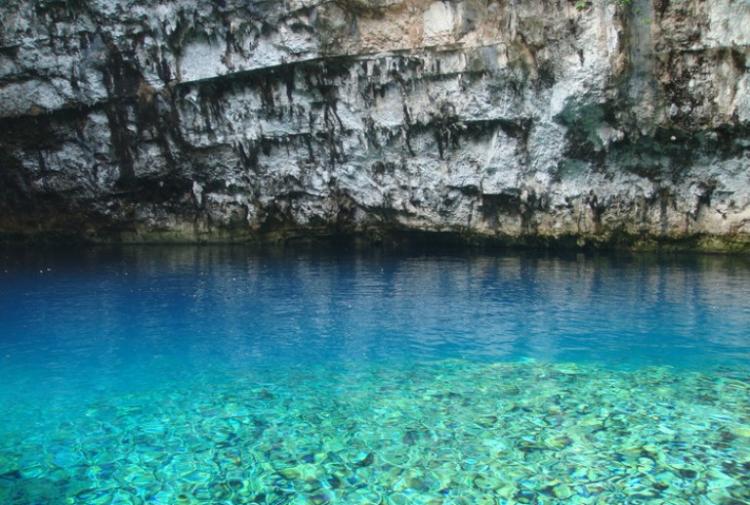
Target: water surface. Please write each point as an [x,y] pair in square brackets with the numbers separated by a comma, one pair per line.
[222,375]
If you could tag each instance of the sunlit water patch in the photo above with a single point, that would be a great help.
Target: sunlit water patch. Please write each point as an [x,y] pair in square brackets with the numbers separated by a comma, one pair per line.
[188,375]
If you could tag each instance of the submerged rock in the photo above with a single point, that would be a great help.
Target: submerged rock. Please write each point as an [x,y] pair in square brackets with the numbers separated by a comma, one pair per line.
[357,457]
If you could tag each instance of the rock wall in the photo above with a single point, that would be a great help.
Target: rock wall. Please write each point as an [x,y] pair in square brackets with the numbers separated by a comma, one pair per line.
[594,122]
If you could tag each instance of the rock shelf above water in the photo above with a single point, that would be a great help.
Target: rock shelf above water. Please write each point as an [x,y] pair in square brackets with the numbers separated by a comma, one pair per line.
[599,122]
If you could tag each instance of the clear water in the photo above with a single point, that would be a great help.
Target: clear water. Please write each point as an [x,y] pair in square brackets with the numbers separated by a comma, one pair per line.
[218,375]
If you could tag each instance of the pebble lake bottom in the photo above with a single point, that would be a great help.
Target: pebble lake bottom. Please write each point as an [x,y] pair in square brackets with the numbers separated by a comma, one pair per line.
[216,375]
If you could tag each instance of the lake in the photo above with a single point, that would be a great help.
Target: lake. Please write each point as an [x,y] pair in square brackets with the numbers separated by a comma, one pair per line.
[230,375]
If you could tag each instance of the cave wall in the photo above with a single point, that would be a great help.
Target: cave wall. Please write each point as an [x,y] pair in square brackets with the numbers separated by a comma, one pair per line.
[511,120]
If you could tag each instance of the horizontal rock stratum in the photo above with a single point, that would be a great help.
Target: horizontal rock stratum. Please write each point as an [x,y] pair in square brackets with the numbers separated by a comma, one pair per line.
[521,121]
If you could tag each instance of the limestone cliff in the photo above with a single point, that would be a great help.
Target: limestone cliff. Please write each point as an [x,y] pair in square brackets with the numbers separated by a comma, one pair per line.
[515,120]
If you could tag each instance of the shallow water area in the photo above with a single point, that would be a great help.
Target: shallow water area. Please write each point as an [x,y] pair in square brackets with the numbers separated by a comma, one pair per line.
[220,375]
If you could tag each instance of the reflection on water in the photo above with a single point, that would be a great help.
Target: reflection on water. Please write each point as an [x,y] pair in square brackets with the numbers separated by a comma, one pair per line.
[230,304]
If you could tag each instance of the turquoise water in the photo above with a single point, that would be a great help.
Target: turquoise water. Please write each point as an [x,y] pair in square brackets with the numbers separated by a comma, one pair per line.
[223,376]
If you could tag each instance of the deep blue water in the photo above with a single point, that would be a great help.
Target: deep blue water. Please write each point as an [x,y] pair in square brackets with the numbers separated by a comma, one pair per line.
[104,318]
[78,328]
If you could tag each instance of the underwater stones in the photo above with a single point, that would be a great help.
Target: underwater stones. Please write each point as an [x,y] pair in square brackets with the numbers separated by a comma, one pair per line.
[364,460]
[320,498]
[94,496]
[265,394]
[687,473]
[487,421]
[196,477]
[11,475]
[364,496]
[645,465]
[410,437]
[562,491]
[508,389]
[446,435]
[303,471]
[487,482]
[64,457]
[592,423]
[558,441]
[136,476]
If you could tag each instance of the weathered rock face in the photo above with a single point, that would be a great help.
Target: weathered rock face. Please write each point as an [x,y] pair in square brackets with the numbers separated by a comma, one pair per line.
[520,120]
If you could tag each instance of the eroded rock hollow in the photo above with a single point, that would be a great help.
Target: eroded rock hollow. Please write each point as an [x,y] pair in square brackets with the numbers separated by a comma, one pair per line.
[513,120]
